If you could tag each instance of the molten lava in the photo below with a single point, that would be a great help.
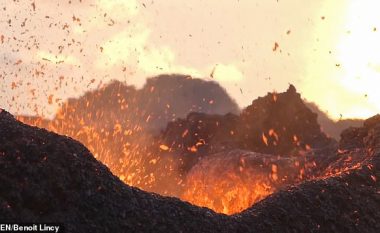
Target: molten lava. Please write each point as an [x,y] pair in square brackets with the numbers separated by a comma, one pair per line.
[125,149]
[229,182]
[218,184]
[228,193]
[204,159]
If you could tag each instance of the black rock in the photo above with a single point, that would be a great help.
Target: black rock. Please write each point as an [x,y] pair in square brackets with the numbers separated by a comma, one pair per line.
[52,178]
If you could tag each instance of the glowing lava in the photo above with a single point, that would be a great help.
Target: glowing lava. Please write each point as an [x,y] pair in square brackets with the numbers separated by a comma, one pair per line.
[229,182]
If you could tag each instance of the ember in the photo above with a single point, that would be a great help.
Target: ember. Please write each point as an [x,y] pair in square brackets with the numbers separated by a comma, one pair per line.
[74,180]
[121,134]
[179,161]
[153,116]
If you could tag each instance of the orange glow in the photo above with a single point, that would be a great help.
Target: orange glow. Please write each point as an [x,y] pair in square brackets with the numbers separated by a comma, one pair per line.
[273,133]
[185,133]
[352,69]
[265,139]
[228,194]
[136,163]
[192,149]
[229,190]
[164,147]
[274,96]
[229,182]
[233,201]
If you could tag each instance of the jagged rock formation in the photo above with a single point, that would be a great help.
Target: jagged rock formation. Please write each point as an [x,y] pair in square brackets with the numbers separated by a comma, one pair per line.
[47,177]
[279,123]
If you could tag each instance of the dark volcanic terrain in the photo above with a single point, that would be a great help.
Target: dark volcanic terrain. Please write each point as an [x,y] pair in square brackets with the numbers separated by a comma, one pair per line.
[47,177]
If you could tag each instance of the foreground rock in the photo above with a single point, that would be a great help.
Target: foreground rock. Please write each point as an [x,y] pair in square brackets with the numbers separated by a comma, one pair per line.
[344,199]
[47,177]
[51,178]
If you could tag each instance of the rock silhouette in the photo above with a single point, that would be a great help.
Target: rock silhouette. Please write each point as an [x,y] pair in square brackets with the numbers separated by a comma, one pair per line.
[47,177]
[278,123]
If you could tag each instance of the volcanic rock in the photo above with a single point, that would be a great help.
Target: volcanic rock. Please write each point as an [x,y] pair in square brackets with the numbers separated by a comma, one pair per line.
[118,124]
[52,178]
[198,135]
[240,178]
[279,123]
[231,181]
[347,201]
